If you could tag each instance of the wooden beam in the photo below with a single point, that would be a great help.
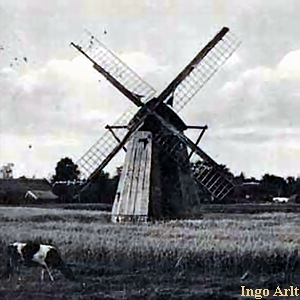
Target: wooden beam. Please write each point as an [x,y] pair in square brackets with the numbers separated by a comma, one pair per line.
[115,136]
[191,66]
[184,138]
[133,193]
[197,127]
[198,139]
[111,79]
[116,126]
[110,156]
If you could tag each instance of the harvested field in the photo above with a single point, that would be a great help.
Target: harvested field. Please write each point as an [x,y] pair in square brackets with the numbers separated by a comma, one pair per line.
[188,259]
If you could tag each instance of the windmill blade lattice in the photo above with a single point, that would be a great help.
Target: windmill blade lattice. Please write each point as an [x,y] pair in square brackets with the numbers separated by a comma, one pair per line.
[98,152]
[115,66]
[206,171]
[204,70]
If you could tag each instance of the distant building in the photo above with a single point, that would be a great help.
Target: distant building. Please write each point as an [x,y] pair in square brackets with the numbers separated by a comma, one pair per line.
[24,184]
[40,196]
[248,191]
[280,199]
[14,189]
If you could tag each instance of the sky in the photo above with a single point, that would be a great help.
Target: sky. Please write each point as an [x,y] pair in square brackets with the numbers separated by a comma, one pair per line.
[53,104]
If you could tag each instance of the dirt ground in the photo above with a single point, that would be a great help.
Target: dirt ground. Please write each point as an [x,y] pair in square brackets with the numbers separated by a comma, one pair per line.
[167,279]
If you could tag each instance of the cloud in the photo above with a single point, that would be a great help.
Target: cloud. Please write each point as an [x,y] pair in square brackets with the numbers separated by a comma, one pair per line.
[289,67]
[253,121]
[63,95]
[60,107]
[263,96]
[59,104]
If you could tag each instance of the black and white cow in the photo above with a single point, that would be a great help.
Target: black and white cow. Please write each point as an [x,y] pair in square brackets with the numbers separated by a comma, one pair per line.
[33,254]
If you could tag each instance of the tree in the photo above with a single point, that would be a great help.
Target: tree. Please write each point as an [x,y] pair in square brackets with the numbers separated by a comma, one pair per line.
[101,189]
[6,171]
[273,185]
[291,185]
[225,171]
[241,178]
[66,170]
[297,185]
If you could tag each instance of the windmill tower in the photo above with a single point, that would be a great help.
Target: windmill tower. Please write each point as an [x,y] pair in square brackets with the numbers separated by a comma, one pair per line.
[157,180]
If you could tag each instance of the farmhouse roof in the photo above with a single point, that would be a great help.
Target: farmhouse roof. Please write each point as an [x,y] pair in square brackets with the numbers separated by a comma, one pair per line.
[250,183]
[280,199]
[24,184]
[37,194]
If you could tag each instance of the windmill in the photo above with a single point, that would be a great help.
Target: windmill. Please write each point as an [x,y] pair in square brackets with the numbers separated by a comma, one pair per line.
[157,180]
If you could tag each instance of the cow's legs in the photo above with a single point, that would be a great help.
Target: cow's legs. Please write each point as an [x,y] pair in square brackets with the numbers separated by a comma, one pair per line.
[42,274]
[46,267]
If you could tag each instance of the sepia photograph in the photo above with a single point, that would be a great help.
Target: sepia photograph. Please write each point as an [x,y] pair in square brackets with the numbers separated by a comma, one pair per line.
[149,150]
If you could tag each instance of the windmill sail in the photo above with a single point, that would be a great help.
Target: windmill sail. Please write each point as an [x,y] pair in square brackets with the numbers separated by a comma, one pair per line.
[127,82]
[206,172]
[205,64]
[181,90]
[96,154]
[105,60]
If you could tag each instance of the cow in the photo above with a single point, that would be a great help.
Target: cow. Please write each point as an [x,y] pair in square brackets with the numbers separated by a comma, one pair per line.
[34,254]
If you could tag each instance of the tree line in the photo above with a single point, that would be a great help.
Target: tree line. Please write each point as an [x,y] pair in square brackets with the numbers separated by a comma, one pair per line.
[66,184]
[103,188]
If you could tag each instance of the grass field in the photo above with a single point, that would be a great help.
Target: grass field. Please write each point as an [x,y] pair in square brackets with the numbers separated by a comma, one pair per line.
[187,259]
